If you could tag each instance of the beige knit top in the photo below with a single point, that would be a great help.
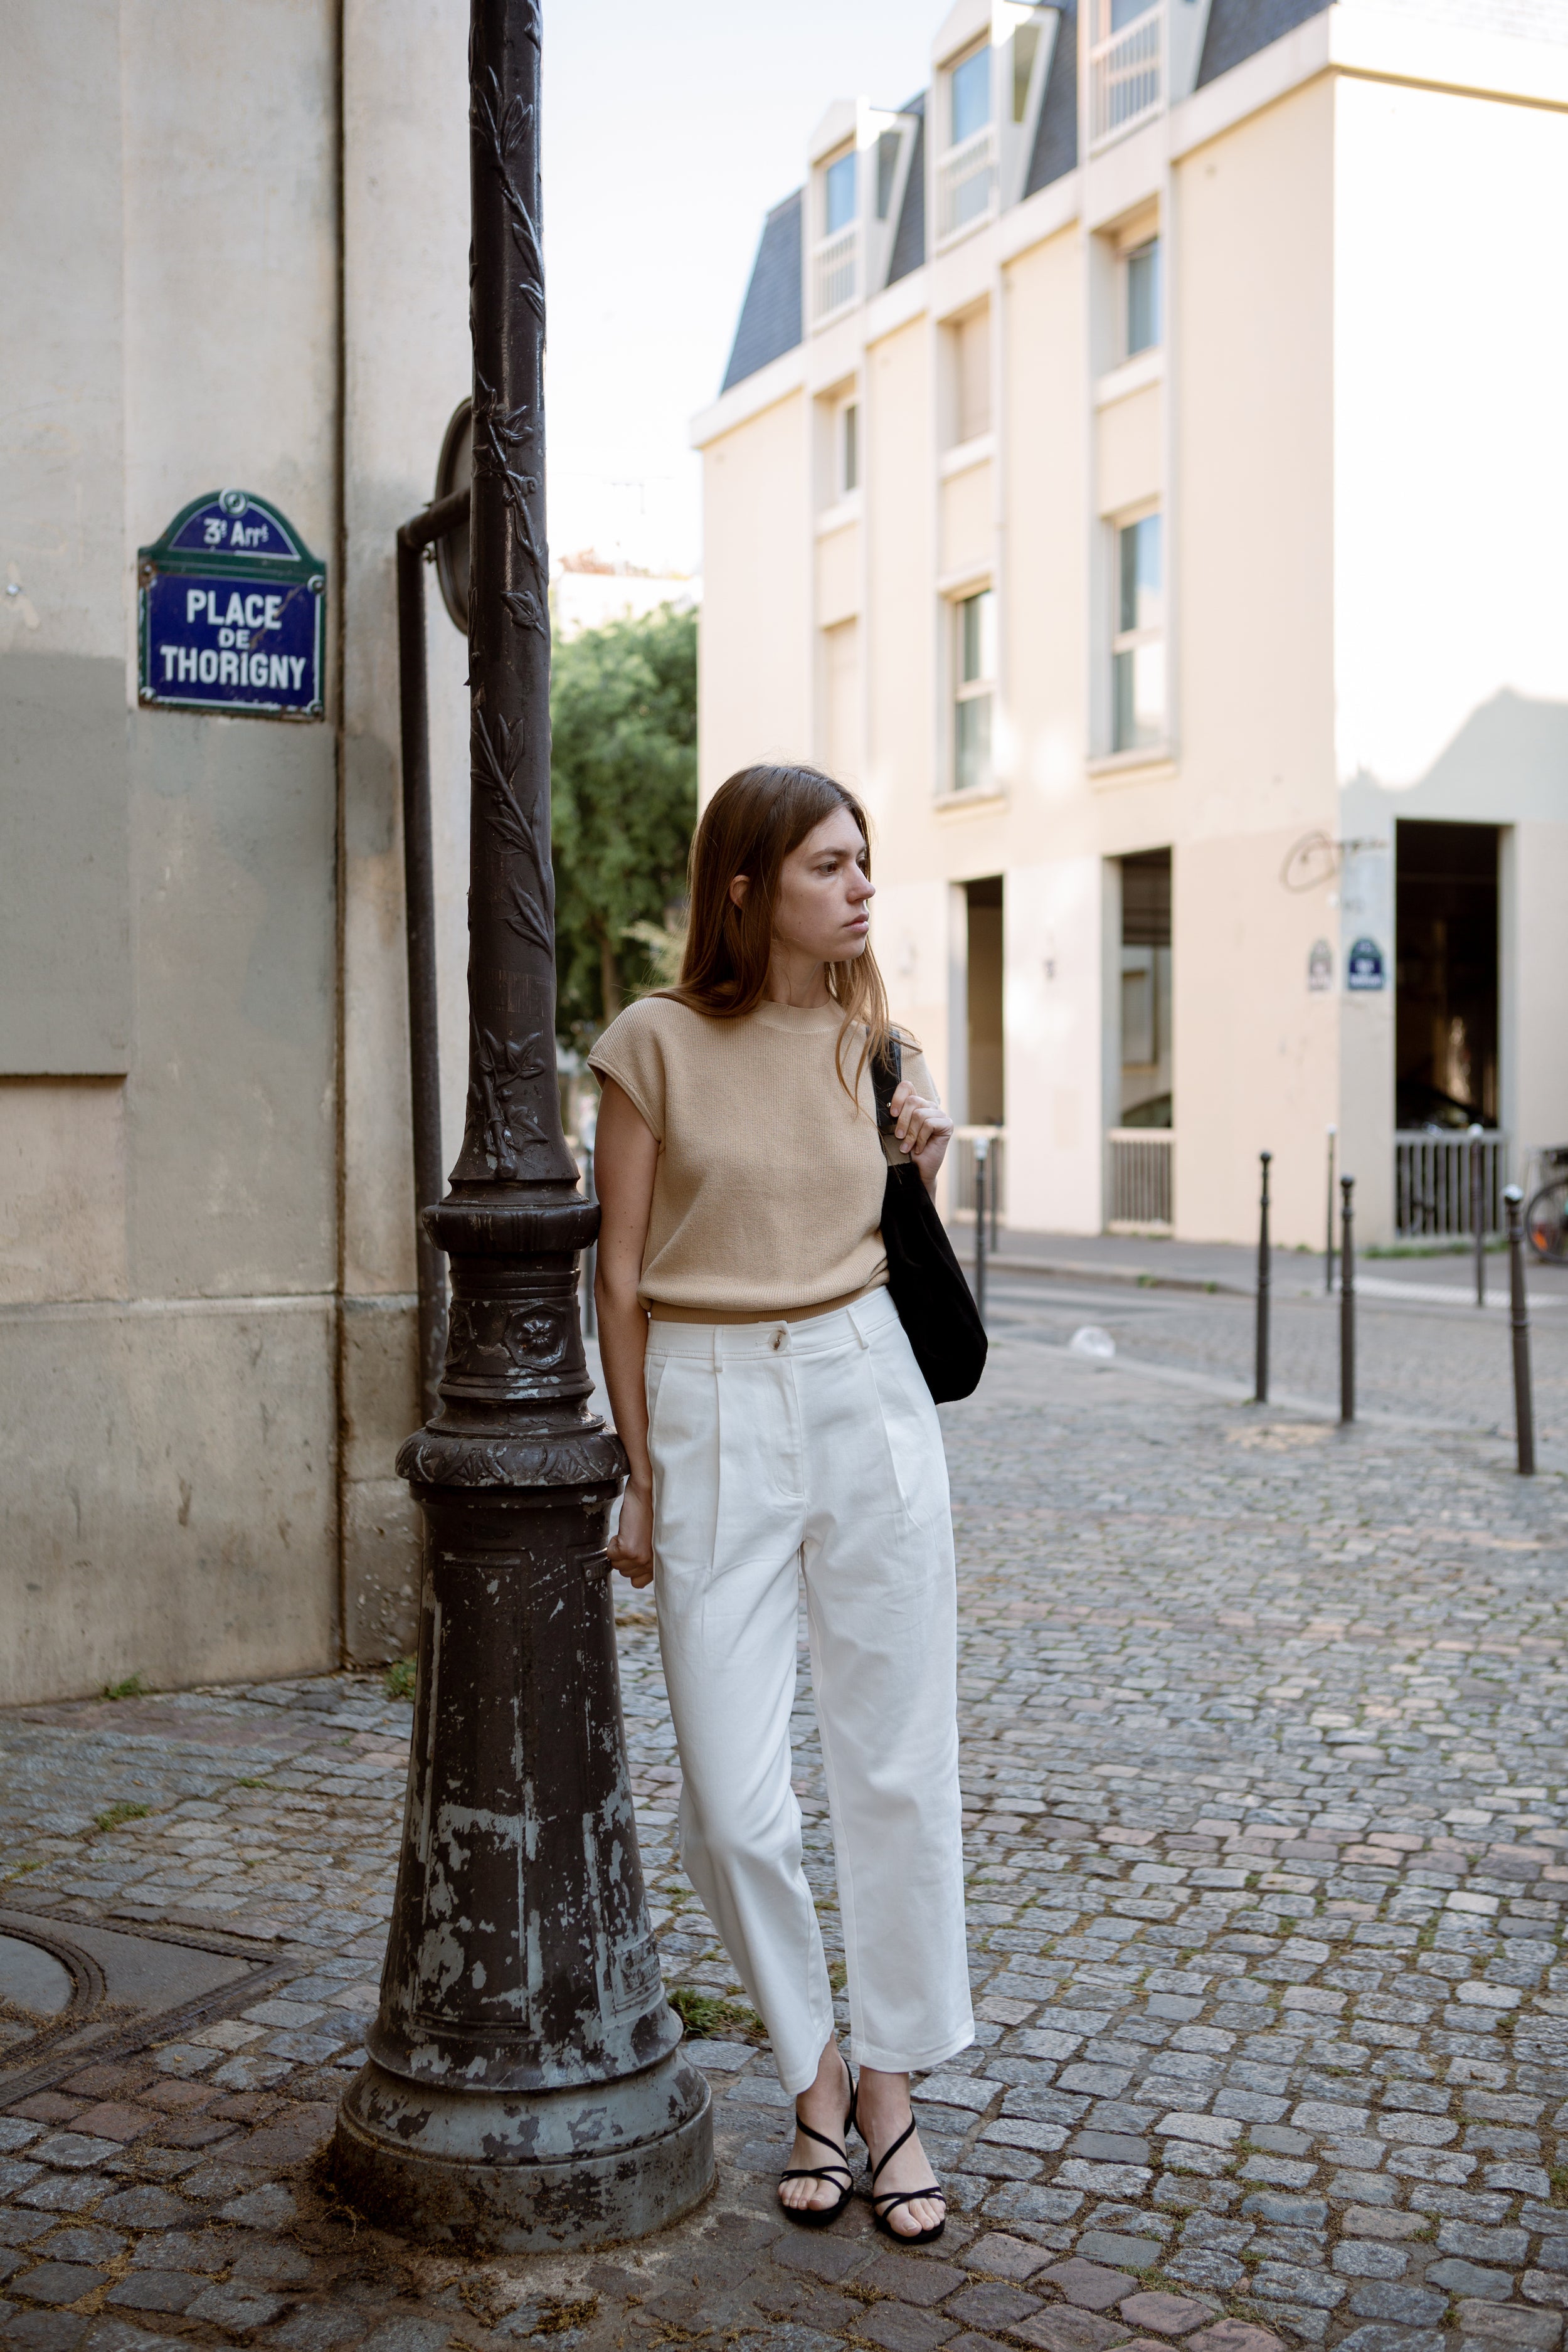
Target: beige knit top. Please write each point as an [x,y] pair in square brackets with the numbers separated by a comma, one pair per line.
[768,1191]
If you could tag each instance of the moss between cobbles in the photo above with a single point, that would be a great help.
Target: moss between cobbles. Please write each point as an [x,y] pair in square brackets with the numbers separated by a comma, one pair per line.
[708,2019]
[113,1817]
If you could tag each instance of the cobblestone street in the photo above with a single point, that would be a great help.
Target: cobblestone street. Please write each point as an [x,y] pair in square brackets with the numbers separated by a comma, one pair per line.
[1269,1853]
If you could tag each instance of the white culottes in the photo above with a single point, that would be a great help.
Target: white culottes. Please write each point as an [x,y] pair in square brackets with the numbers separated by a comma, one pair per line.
[814,1446]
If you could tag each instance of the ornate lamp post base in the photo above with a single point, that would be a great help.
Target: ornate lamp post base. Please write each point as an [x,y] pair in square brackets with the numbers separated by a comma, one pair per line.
[526,2089]
[528,2175]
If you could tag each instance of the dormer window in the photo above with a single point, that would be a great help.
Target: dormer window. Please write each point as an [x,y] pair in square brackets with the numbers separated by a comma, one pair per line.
[1026,43]
[887,171]
[966,173]
[835,259]
[1124,66]
[969,85]
[838,190]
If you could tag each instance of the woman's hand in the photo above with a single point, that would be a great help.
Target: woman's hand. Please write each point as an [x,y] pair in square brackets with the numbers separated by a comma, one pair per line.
[924,1131]
[630,1549]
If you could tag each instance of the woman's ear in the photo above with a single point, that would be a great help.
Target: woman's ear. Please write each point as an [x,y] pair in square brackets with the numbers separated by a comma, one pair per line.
[739,886]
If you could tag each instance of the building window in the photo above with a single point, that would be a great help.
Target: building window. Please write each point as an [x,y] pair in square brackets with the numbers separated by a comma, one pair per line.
[975,675]
[1125,66]
[887,171]
[969,89]
[1138,646]
[1026,45]
[836,257]
[1141,307]
[968,342]
[966,169]
[850,447]
[839,193]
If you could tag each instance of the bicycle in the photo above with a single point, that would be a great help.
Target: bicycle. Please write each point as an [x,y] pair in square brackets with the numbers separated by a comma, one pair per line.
[1546,1217]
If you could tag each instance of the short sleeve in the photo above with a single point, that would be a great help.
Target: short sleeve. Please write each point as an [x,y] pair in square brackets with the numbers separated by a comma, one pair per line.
[631,1052]
[919,1075]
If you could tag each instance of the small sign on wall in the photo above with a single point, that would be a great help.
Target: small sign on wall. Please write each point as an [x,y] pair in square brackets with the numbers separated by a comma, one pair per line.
[1319,967]
[232,612]
[1364,966]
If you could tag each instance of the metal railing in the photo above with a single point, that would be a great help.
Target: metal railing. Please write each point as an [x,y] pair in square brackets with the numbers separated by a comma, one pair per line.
[1432,1183]
[1140,1192]
[1125,73]
[963,1140]
[836,272]
[966,184]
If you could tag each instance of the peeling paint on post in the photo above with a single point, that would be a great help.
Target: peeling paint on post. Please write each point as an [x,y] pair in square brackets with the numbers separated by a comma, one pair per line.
[525,2088]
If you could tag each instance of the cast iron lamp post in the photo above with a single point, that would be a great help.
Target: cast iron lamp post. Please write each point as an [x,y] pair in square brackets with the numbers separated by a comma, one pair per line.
[525,2089]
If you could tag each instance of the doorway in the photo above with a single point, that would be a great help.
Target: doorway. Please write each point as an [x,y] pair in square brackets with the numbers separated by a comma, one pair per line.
[1145,1013]
[1446,975]
[987,1104]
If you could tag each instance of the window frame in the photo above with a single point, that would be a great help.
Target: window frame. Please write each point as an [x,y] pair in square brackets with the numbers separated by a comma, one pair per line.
[966,692]
[1025,49]
[887,152]
[1149,245]
[953,414]
[850,155]
[1126,643]
[981,48]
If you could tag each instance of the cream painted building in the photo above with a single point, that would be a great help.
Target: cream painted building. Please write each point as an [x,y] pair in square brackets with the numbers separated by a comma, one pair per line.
[1141,470]
[237,259]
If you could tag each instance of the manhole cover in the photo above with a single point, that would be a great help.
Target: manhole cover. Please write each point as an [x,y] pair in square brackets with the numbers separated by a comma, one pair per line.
[69,1990]
[33,1980]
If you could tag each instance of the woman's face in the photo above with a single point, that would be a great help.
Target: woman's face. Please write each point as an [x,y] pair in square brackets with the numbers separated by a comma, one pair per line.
[822,908]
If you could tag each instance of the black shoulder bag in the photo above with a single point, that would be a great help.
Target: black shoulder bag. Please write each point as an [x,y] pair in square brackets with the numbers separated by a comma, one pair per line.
[935,1303]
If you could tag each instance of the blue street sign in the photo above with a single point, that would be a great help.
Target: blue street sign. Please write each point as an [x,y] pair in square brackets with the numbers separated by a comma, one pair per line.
[1363,966]
[232,612]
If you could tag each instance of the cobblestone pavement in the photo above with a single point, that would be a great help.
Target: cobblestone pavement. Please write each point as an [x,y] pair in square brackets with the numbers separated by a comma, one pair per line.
[1269,1859]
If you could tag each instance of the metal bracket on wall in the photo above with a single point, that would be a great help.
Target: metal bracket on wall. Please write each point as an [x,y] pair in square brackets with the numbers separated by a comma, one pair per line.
[435,528]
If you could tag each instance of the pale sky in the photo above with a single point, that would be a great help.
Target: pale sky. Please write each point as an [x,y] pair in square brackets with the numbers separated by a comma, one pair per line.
[669,132]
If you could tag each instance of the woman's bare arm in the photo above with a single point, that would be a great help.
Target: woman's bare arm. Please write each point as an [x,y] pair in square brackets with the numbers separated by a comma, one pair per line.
[626,1155]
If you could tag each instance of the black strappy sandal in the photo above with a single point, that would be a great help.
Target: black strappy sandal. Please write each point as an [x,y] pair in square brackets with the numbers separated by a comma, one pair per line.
[884,2201]
[817,2217]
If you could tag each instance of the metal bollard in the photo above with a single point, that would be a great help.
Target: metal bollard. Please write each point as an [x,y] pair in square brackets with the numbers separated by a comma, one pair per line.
[1479,1211]
[1519,1317]
[1329,1245]
[982,1148]
[1347,1300]
[1263,1281]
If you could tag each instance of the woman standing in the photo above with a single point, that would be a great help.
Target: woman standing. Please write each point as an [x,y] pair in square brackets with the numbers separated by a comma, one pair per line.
[776,1423]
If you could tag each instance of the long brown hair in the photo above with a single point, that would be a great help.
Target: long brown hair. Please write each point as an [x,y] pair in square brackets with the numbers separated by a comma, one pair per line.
[750,826]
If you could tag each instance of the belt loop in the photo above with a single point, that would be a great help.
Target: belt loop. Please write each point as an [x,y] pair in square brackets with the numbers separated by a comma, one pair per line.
[853,1311]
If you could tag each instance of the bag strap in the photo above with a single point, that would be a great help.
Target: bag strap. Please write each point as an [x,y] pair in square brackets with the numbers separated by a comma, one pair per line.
[887,1071]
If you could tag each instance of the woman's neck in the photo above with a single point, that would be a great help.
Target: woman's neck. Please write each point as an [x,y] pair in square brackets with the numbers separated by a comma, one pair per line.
[797,980]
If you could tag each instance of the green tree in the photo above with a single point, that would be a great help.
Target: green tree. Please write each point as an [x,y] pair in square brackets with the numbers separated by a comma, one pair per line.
[623,709]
